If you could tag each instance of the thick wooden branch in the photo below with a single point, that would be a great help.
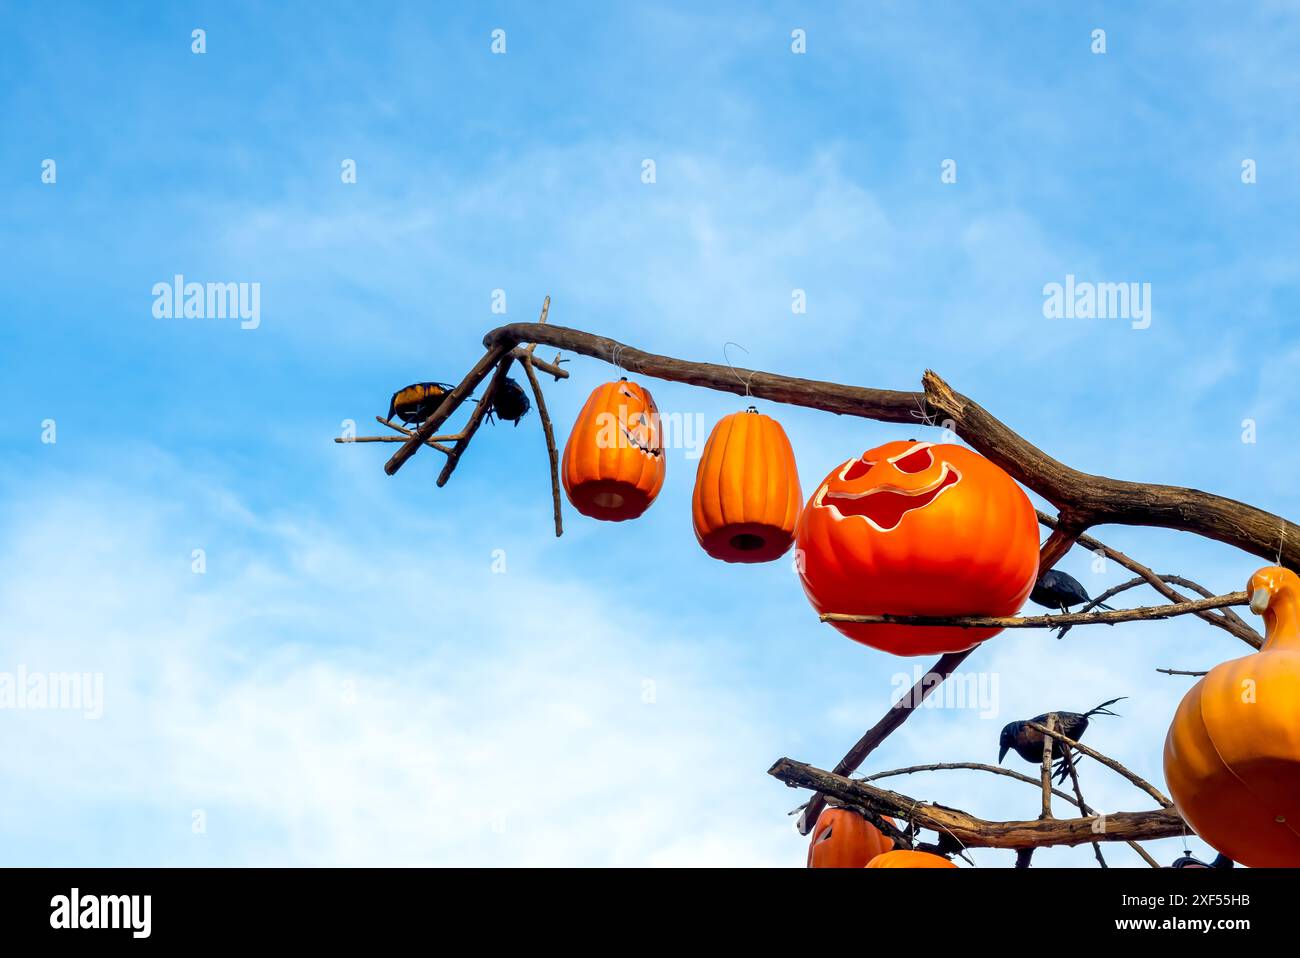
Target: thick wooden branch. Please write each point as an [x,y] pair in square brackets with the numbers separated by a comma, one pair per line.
[972,832]
[1083,499]
[1143,614]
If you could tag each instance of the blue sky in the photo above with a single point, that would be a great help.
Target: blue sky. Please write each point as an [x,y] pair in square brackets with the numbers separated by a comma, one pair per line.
[349,682]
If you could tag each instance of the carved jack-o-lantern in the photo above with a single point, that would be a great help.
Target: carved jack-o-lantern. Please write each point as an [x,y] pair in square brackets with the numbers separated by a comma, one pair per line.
[915,528]
[844,839]
[614,460]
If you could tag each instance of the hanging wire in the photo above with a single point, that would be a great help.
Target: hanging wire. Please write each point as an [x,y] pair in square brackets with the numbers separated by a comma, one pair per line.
[743,382]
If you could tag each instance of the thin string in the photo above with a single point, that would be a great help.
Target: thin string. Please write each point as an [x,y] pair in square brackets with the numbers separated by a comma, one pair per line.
[743,382]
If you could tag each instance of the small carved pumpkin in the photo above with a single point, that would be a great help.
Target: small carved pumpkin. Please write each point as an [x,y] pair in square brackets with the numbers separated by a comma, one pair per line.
[905,858]
[844,839]
[915,528]
[614,460]
[747,496]
[1232,756]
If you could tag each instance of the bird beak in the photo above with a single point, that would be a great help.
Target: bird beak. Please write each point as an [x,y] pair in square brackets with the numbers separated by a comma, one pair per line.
[1003,753]
[1259,601]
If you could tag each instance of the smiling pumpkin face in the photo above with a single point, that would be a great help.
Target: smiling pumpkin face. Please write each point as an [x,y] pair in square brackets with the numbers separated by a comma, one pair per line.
[915,528]
[614,460]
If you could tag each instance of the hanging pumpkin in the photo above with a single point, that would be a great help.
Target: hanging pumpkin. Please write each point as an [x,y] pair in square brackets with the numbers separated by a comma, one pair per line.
[904,858]
[914,528]
[1232,756]
[844,839]
[614,459]
[747,497]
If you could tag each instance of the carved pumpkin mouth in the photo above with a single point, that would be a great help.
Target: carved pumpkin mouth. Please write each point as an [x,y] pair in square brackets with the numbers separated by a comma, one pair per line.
[885,506]
[635,443]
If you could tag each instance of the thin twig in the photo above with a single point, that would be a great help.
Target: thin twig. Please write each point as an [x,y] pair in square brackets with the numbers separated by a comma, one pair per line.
[551,450]
[1047,769]
[1046,621]
[1180,672]
[1078,793]
[1110,763]
[476,418]
[1228,621]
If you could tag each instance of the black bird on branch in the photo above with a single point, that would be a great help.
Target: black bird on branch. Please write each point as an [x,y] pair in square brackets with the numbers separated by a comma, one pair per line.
[1058,591]
[1028,742]
[510,402]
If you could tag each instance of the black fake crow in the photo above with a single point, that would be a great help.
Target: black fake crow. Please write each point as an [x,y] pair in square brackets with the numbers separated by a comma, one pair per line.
[1058,591]
[1028,742]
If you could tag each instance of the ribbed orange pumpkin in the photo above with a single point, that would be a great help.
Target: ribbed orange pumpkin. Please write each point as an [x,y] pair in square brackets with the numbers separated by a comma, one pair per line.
[844,839]
[747,497]
[1232,756]
[916,528]
[614,460]
[904,858]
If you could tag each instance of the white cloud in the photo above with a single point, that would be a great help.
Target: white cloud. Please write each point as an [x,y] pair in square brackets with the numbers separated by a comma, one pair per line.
[319,715]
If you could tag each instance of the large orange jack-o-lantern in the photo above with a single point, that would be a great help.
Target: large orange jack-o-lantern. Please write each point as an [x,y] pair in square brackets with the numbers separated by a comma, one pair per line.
[614,460]
[914,528]
[1232,756]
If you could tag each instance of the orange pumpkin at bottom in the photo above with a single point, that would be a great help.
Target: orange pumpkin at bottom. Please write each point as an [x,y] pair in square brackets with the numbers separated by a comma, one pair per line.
[747,498]
[1232,756]
[904,858]
[844,839]
[614,460]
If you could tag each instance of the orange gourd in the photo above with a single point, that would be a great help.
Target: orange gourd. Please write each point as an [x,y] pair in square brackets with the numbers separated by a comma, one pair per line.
[904,858]
[747,495]
[1232,756]
[614,460]
[916,528]
[844,839]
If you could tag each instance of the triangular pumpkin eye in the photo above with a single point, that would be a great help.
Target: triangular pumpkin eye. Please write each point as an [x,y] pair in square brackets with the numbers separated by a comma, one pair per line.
[826,835]
[857,470]
[916,461]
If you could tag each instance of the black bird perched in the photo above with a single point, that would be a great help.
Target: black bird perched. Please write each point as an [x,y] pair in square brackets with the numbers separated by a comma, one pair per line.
[1187,861]
[1028,742]
[510,402]
[1058,591]
[415,403]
